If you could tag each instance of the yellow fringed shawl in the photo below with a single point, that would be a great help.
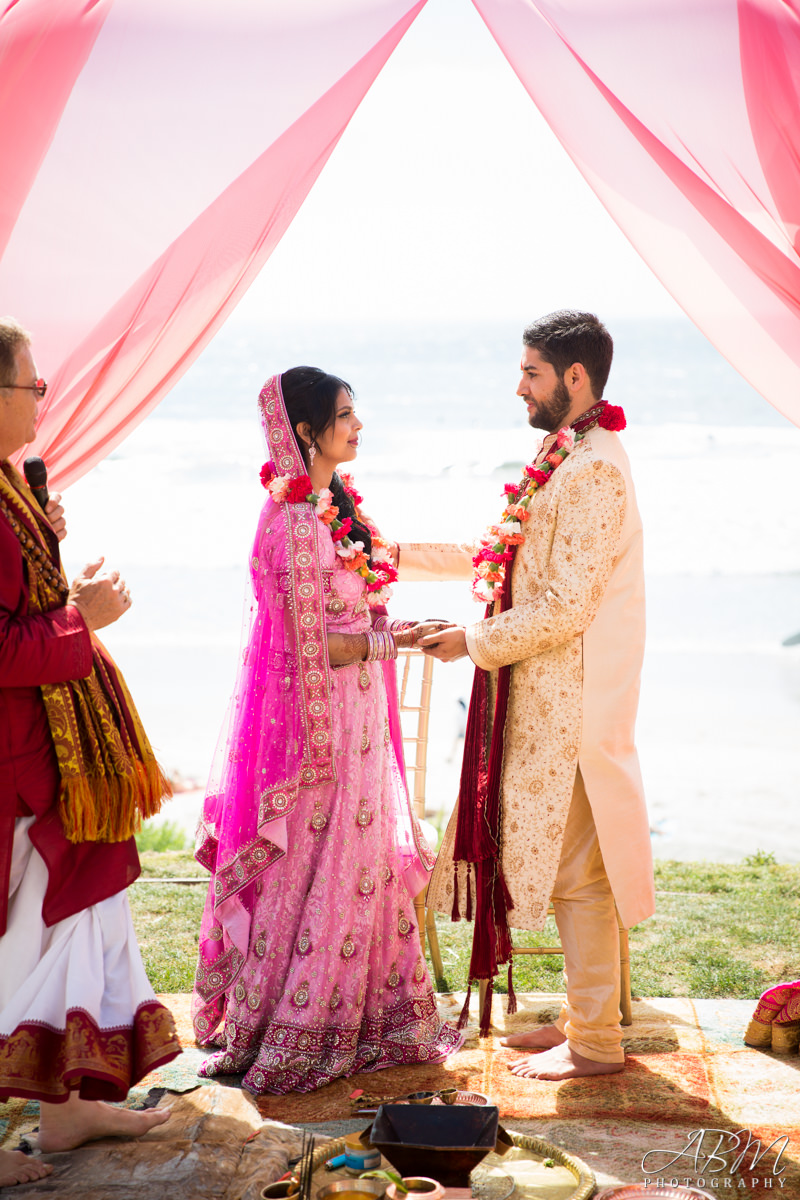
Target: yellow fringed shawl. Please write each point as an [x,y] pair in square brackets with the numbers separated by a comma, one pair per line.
[110,779]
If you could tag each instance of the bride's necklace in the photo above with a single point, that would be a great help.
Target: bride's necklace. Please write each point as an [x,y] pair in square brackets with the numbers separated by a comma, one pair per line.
[496,551]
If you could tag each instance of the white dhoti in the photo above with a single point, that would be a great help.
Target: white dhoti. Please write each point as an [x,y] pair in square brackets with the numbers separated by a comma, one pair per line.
[76,1007]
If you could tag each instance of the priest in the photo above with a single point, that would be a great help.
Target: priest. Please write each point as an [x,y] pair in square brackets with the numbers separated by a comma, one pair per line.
[79,1023]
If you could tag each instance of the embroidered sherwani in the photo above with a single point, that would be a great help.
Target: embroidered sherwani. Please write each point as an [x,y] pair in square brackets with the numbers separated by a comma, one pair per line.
[575,639]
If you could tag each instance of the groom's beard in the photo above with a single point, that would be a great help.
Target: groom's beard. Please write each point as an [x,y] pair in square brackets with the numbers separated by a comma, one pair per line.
[549,414]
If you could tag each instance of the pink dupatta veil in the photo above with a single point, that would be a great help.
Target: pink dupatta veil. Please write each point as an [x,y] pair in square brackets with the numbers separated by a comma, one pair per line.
[277,734]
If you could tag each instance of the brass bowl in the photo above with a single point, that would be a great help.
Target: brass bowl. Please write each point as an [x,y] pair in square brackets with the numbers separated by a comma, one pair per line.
[278,1190]
[370,1189]
[421,1097]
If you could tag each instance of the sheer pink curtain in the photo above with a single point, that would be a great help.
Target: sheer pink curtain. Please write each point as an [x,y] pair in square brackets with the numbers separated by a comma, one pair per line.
[154,152]
[683,117]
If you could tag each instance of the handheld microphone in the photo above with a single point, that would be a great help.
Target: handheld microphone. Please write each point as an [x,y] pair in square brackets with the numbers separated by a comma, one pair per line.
[36,476]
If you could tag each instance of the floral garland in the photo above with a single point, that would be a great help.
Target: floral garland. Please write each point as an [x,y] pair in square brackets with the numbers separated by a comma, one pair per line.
[378,571]
[496,544]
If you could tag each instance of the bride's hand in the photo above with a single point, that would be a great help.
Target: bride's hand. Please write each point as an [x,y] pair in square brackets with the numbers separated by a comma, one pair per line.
[409,637]
[346,648]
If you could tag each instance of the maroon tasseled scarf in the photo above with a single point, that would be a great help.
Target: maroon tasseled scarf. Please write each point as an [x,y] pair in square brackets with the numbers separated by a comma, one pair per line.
[478,827]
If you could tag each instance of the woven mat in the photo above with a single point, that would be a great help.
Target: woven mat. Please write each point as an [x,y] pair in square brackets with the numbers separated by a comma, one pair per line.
[687,1069]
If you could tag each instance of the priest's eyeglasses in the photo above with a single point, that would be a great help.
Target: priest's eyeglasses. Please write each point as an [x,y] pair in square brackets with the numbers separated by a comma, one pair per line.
[40,387]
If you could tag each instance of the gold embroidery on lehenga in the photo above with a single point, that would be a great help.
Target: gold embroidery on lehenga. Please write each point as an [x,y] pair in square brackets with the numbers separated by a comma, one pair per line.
[404,926]
[366,885]
[319,820]
[364,816]
[300,998]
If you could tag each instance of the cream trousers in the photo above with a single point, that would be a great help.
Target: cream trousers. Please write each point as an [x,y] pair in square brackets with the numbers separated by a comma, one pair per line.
[586,918]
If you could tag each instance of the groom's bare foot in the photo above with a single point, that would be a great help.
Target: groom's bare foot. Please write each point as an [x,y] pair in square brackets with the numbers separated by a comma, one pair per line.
[544,1037]
[20,1168]
[65,1126]
[562,1063]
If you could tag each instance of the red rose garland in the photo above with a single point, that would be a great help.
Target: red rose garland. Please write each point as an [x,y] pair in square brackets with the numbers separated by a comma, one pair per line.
[377,571]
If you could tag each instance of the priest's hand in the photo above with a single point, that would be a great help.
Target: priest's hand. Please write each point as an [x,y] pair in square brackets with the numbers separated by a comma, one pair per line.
[100,601]
[55,515]
[447,644]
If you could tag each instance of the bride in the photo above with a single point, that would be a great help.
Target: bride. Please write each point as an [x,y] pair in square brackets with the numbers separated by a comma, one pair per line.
[310,966]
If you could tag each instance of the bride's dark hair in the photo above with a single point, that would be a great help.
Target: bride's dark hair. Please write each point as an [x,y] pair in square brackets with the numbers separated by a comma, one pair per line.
[310,395]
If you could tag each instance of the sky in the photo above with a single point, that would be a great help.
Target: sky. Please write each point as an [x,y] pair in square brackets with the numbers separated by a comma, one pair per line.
[449,198]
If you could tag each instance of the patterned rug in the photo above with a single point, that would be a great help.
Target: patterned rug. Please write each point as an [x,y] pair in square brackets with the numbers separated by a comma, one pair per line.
[687,1071]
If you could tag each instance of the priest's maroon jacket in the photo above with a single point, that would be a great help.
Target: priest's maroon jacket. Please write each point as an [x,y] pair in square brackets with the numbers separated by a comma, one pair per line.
[36,649]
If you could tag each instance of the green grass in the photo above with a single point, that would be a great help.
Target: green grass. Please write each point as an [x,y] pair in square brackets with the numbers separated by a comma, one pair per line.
[166,917]
[719,930]
[171,864]
[163,835]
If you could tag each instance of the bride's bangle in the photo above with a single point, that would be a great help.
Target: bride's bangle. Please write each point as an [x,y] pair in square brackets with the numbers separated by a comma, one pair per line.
[387,625]
[380,646]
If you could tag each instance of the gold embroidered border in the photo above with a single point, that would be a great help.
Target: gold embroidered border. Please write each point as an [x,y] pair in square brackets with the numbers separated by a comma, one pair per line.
[39,1062]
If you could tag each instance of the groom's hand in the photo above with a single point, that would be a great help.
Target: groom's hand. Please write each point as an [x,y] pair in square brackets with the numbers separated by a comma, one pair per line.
[447,644]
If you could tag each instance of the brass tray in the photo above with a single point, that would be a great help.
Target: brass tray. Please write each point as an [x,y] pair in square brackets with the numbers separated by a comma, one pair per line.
[537,1151]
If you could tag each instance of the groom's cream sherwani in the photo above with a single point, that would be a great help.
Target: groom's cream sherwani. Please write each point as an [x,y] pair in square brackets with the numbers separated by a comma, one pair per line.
[574,637]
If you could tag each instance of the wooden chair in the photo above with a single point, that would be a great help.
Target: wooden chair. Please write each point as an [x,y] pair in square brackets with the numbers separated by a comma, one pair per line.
[624,969]
[411,659]
[417,673]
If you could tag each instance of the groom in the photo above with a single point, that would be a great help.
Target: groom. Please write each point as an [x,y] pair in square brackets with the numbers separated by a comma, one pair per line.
[555,809]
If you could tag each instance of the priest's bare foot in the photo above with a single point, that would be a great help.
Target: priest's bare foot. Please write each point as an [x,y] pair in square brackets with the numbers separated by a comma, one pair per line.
[65,1126]
[20,1168]
[544,1037]
[562,1063]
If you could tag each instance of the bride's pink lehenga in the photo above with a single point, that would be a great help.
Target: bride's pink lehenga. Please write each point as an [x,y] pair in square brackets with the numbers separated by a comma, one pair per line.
[310,965]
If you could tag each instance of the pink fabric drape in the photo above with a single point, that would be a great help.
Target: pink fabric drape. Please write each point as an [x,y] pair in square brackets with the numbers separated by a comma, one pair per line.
[157,150]
[43,48]
[154,152]
[682,115]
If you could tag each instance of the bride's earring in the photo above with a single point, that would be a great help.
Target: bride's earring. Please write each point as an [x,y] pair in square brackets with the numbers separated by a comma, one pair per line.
[312,454]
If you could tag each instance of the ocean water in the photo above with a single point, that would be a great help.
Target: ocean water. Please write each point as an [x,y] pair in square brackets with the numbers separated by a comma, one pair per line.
[716,472]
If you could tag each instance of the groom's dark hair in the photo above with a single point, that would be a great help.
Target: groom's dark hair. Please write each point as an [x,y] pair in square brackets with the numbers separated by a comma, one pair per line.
[566,337]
